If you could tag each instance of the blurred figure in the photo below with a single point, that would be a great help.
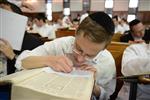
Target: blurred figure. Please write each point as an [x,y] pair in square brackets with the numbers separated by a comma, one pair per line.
[78,17]
[136,61]
[58,24]
[42,28]
[118,27]
[49,22]
[137,33]
[75,23]
[66,21]
[5,48]
[124,24]
[29,26]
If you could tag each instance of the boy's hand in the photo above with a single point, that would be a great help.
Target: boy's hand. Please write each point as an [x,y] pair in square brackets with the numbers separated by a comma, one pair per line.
[6,48]
[88,68]
[60,63]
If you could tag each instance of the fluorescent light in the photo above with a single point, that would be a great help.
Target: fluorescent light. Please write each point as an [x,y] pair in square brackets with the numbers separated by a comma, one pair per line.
[133,3]
[109,4]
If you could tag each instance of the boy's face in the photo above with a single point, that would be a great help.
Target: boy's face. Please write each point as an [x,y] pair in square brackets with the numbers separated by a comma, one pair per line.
[39,23]
[84,49]
[138,30]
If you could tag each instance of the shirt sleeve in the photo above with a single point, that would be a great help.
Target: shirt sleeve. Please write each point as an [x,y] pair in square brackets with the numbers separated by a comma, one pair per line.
[56,47]
[135,61]
[43,50]
[106,72]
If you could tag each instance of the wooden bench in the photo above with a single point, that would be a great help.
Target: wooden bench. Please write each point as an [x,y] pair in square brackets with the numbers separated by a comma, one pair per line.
[117,49]
[116,37]
[61,33]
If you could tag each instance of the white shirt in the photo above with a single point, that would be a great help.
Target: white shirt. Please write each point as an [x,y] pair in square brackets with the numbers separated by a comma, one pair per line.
[125,27]
[66,22]
[83,17]
[45,31]
[119,29]
[104,63]
[136,60]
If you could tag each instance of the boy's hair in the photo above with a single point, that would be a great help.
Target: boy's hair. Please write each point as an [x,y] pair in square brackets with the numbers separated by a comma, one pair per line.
[134,22]
[14,8]
[98,27]
[41,16]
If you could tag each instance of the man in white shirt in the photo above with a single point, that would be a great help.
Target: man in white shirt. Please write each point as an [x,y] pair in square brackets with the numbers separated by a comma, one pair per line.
[42,28]
[85,51]
[66,21]
[118,27]
[136,61]
[124,24]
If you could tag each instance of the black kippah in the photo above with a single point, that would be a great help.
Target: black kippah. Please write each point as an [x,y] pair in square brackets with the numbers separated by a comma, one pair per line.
[103,20]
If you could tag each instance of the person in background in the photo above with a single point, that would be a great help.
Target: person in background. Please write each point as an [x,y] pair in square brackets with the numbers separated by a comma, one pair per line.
[124,24]
[66,21]
[29,42]
[57,24]
[85,51]
[118,27]
[137,33]
[136,61]
[75,24]
[78,17]
[42,28]
[29,26]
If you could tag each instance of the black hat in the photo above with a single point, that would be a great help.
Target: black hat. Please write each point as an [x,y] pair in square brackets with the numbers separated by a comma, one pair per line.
[134,22]
[103,20]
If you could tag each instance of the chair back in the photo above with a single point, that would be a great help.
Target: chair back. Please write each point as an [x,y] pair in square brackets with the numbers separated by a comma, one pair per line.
[116,37]
[62,33]
[117,49]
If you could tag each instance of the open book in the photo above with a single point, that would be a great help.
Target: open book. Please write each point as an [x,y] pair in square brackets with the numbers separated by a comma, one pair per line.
[45,84]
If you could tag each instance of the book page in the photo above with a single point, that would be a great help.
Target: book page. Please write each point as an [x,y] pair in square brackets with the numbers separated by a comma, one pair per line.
[12,28]
[21,75]
[73,73]
[66,87]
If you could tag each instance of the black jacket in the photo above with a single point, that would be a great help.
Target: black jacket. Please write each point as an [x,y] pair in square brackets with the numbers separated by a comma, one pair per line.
[126,37]
[29,42]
